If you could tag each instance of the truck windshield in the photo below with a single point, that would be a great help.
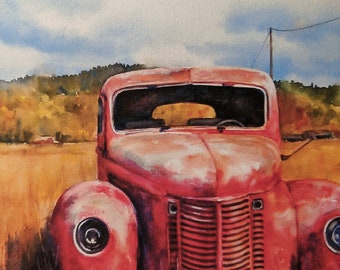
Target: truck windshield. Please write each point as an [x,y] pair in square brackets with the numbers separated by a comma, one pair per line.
[189,105]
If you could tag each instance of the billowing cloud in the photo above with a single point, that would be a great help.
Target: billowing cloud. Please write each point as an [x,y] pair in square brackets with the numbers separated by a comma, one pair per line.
[180,56]
[18,61]
[69,35]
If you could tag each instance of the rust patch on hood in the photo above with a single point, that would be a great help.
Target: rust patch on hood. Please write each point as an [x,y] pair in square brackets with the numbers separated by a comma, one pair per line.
[220,164]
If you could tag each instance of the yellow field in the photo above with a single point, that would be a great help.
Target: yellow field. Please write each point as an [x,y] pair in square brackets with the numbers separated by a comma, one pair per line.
[320,159]
[33,177]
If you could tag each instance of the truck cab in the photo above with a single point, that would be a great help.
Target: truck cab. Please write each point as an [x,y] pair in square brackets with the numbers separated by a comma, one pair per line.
[189,177]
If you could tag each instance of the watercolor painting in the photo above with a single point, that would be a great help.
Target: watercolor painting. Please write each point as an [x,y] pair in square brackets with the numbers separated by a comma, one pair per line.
[170,134]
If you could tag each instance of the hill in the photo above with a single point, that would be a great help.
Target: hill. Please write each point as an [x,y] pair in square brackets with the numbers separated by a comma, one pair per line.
[66,106]
[308,107]
[37,105]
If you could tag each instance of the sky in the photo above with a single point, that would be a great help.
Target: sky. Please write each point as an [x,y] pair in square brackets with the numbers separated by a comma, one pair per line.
[67,36]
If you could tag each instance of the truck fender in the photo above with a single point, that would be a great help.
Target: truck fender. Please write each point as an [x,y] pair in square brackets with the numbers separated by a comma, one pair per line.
[94,226]
[317,205]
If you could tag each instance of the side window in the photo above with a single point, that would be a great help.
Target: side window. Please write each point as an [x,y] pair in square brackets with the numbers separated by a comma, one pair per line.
[100,116]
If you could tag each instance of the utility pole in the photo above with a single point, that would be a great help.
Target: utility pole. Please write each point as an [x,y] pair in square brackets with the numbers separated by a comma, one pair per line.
[271,52]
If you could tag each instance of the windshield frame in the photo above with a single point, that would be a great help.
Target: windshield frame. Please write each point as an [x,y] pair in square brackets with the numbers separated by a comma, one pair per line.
[188,127]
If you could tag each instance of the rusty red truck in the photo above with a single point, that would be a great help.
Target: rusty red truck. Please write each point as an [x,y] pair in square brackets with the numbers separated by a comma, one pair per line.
[189,177]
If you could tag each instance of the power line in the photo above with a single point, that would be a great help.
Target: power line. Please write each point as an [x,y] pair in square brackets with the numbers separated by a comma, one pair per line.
[258,54]
[285,30]
[305,27]
[271,61]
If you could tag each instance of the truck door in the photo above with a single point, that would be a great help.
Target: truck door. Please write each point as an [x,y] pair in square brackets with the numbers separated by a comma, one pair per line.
[101,144]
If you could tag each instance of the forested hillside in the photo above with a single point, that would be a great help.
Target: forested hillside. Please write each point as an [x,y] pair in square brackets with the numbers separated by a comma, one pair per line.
[308,107]
[67,105]
[37,106]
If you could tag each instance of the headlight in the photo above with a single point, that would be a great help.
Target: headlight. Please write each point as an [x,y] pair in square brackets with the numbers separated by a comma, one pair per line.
[332,234]
[91,235]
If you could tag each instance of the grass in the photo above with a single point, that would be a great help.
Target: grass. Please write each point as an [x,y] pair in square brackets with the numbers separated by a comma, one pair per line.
[318,160]
[33,177]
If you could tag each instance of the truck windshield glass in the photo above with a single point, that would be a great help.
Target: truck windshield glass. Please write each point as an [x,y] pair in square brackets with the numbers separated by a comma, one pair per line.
[189,105]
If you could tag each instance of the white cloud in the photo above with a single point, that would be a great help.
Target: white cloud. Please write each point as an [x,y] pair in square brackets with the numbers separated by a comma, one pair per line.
[162,32]
[170,55]
[16,61]
[318,56]
[310,11]
[154,18]
[302,11]
[53,17]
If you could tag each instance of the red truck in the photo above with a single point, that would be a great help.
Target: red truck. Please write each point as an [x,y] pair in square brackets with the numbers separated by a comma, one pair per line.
[189,177]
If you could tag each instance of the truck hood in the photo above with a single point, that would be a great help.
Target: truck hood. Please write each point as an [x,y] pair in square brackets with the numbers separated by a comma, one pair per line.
[205,165]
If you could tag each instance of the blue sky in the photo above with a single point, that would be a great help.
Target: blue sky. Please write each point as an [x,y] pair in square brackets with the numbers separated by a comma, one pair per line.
[68,36]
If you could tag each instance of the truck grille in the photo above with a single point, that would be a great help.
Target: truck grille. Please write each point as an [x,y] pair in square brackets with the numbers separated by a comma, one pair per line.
[211,234]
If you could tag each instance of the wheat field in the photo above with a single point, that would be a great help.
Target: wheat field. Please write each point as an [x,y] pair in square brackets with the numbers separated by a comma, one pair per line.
[33,177]
[319,159]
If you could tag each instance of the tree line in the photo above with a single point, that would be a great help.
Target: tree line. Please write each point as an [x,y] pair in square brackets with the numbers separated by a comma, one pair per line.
[65,107]
[308,107]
